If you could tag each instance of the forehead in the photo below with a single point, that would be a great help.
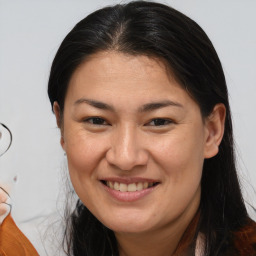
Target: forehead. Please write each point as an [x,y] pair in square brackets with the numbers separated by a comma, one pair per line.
[109,66]
[112,62]
[122,78]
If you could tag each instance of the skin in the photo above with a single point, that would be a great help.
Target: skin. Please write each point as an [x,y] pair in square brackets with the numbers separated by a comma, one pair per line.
[167,143]
[4,208]
[3,199]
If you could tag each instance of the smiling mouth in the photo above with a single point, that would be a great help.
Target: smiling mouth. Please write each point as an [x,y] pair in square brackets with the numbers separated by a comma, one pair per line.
[131,187]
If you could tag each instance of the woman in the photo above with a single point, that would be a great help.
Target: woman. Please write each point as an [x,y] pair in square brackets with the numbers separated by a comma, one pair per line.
[141,100]
[140,97]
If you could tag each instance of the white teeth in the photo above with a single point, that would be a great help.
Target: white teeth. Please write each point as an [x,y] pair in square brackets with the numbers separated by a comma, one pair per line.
[116,186]
[139,186]
[132,187]
[111,184]
[123,187]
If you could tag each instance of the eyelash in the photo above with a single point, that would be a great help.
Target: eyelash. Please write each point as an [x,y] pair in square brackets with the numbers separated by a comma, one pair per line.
[160,122]
[96,121]
[157,121]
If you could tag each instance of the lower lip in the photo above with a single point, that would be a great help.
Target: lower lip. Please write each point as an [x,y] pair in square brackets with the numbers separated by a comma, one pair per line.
[128,196]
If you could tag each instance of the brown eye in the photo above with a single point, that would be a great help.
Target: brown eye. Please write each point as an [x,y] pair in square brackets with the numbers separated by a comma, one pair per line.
[96,121]
[159,122]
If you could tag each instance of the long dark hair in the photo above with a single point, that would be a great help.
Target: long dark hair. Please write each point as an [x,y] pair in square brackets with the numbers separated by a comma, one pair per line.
[153,29]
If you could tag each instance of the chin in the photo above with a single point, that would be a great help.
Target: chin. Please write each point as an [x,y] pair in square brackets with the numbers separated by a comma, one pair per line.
[131,229]
[128,225]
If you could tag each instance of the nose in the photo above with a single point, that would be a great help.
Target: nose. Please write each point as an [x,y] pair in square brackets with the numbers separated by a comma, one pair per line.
[126,151]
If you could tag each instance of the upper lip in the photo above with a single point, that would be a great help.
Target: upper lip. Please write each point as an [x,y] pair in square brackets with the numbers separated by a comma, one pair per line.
[129,180]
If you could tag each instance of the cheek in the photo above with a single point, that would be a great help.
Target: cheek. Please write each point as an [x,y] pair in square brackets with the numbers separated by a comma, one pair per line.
[84,157]
[181,158]
[181,161]
[84,153]
[180,150]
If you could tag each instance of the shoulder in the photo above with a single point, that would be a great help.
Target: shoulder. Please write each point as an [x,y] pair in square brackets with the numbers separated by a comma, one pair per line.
[13,241]
[245,240]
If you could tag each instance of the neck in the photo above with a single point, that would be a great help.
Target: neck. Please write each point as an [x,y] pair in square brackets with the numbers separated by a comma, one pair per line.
[147,245]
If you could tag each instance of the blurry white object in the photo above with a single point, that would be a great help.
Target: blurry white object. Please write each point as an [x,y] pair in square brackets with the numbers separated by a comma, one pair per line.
[5,138]
[5,143]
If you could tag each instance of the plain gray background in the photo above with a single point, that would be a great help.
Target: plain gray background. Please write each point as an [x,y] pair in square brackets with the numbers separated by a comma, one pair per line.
[30,33]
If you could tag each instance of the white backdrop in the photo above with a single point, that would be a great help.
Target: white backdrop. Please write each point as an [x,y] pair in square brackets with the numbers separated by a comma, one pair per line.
[30,33]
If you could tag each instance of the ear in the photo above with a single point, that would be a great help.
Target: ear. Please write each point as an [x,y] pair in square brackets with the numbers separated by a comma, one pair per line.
[215,125]
[57,112]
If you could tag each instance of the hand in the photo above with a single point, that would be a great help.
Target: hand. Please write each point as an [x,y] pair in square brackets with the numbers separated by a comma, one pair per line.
[5,205]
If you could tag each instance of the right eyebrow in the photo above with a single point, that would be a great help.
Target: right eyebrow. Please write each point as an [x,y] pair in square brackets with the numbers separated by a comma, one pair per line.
[94,103]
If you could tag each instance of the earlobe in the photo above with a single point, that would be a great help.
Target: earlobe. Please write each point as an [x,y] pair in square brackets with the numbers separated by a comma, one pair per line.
[57,112]
[215,125]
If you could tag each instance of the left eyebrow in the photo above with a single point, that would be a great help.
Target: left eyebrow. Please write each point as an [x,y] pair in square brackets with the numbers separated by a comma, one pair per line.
[157,105]
[94,103]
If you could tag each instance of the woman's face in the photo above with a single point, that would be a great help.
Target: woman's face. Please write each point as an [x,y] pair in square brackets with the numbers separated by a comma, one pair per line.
[135,142]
